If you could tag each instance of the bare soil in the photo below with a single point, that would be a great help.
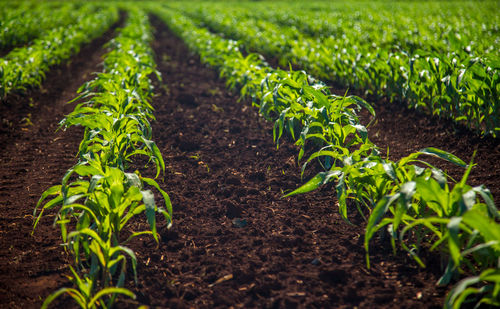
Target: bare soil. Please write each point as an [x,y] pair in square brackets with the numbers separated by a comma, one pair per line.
[235,241]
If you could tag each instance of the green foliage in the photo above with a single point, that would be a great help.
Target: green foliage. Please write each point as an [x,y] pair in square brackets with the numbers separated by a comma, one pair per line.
[84,295]
[25,67]
[444,61]
[22,24]
[415,204]
[97,198]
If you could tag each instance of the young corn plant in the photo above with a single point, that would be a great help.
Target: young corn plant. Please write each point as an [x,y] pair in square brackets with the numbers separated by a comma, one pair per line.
[104,200]
[116,138]
[84,293]
[101,207]
[97,196]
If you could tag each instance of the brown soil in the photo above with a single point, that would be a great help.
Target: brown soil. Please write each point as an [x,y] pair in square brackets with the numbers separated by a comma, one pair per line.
[235,241]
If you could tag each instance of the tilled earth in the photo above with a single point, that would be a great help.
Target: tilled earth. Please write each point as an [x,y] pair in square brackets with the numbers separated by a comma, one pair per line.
[235,241]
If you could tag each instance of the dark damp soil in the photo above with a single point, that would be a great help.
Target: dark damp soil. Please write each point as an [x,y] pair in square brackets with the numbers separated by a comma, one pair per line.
[235,242]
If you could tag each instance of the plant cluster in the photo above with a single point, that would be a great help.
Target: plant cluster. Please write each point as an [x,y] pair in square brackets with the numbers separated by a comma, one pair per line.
[98,197]
[414,201]
[422,61]
[25,67]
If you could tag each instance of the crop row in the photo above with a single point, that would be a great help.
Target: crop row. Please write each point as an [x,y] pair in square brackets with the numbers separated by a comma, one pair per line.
[414,201]
[456,80]
[29,21]
[25,67]
[98,197]
[440,26]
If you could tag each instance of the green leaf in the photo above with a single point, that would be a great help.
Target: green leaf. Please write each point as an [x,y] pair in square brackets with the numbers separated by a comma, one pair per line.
[432,194]
[314,183]
[90,233]
[453,239]
[156,154]
[132,256]
[488,199]
[54,190]
[133,180]
[153,183]
[487,227]
[86,209]
[376,215]
[389,170]
[443,155]
[453,299]
[108,291]
[75,294]
[318,95]
[406,194]
[359,101]
[149,200]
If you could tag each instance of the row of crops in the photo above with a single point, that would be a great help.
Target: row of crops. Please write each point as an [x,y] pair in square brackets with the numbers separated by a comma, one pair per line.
[25,66]
[445,63]
[98,197]
[437,58]
[29,21]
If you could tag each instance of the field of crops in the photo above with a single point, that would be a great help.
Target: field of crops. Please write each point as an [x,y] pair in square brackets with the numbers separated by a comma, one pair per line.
[250,154]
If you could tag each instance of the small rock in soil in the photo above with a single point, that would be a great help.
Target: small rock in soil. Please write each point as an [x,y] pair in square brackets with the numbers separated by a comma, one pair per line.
[238,222]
